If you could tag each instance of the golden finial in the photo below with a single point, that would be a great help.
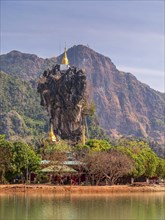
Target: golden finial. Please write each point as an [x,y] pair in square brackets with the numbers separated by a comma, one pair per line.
[65,58]
[52,136]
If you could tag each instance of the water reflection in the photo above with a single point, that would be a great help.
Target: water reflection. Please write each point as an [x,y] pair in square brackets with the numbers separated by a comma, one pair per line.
[134,206]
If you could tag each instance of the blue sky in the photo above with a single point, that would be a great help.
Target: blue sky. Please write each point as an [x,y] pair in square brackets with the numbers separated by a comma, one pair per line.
[131,33]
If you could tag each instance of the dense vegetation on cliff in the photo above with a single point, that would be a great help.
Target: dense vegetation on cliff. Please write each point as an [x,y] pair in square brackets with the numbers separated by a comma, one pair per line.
[21,113]
[25,66]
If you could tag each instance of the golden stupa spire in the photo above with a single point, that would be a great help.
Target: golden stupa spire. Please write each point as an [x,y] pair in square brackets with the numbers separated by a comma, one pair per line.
[52,136]
[65,58]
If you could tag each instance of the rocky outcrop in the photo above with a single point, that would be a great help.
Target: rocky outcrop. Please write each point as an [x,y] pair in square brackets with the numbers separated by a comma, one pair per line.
[63,94]
[124,106]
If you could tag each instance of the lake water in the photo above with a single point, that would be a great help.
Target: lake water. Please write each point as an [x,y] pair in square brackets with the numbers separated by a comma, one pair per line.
[131,206]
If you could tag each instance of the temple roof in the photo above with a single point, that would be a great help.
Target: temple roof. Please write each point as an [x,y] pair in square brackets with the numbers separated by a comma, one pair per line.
[58,169]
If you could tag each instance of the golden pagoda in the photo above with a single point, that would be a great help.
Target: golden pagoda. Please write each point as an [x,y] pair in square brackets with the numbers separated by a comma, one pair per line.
[52,136]
[65,58]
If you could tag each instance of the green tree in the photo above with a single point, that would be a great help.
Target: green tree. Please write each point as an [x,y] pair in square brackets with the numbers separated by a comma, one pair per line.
[150,162]
[47,147]
[6,157]
[25,159]
[98,145]
[160,169]
[135,154]
[145,160]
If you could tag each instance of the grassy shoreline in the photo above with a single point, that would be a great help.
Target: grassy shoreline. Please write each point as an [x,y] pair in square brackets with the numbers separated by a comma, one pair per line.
[42,188]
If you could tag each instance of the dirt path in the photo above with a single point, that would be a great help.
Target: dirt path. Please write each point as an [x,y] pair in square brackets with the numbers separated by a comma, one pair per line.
[38,188]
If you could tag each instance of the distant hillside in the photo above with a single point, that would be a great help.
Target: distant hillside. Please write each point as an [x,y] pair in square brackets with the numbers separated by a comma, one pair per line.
[20,110]
[124,106]
[23,65]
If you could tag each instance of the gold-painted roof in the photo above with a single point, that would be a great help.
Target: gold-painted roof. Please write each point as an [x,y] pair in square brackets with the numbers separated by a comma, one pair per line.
[65,58]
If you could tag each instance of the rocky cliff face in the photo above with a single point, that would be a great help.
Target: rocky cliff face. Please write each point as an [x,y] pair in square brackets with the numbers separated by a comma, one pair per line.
[124,106]
[63,94]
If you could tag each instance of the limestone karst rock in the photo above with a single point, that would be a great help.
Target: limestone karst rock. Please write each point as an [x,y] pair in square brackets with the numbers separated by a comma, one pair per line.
[63,94]
[124,106]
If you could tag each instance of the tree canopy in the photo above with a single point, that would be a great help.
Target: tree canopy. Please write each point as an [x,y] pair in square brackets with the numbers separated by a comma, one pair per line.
[100,159]
[15,158]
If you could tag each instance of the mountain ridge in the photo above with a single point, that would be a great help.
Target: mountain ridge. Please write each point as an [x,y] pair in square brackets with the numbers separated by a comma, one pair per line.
[24,65]
[110,88]
[124,105]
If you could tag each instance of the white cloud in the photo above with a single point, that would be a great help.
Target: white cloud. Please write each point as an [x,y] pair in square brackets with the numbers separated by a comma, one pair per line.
[152,77]
[144,71]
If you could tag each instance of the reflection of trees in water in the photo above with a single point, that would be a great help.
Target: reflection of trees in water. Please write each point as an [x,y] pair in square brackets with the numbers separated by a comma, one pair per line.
[114,206]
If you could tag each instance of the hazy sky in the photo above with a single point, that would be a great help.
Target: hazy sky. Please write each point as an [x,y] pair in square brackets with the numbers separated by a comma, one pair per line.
[131,33]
